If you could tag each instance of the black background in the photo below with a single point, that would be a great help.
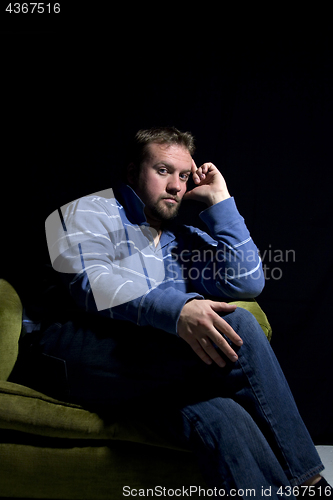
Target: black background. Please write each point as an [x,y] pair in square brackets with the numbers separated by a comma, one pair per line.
[255,90]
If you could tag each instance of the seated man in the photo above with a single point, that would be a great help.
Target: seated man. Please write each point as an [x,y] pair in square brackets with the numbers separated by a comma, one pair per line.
[150,330]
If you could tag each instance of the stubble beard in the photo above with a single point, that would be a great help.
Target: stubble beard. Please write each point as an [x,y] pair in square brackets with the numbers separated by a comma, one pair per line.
[165,213]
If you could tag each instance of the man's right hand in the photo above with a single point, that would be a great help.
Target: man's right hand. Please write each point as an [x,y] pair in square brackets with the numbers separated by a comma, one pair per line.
[200,324]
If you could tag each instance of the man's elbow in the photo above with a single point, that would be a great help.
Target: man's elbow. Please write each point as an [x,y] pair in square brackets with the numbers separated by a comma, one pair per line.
[248,288]
[252,290]
[253,285]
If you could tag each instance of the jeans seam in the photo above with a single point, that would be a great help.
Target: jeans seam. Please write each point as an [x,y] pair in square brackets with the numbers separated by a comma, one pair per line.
[196,426]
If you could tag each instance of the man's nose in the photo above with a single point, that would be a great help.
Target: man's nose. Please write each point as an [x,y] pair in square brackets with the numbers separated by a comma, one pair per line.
[174,184]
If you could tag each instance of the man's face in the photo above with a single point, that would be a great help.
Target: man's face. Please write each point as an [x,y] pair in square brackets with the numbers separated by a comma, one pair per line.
[162,179]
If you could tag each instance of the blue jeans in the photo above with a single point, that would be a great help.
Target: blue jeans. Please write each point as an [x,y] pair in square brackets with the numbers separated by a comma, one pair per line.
[241,421]
[253,436]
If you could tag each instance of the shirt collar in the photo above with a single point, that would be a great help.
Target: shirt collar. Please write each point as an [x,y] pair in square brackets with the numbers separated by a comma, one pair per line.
[133,205]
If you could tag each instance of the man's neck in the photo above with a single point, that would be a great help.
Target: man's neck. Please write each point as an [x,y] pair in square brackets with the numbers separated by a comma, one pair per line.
[156,230]
[157,237]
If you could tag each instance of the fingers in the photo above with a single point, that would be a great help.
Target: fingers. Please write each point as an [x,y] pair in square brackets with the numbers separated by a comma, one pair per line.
[223,306]
[222,326]
[221,343]
[225,347]
[199,350]
[212,353]
[195,175]
[199,174]
[207,352]
[205,348]
[205,330]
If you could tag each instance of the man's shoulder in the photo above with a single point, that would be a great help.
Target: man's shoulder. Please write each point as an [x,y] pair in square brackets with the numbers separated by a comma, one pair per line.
[98,202]
[105,196]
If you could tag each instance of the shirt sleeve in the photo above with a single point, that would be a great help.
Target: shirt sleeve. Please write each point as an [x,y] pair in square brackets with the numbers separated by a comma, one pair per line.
[227,261]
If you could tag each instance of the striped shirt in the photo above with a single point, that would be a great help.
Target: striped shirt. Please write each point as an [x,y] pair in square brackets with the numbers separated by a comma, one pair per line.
[104,249]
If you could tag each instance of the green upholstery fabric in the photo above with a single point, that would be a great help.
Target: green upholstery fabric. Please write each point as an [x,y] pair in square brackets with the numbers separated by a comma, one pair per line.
[253,307]
[10,327]
[53,449]
[25,410]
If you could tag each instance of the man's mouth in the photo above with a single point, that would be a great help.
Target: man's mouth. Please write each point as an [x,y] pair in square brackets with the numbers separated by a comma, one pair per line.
[170,199]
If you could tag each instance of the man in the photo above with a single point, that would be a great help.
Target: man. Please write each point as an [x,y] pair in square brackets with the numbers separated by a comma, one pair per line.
[201,367]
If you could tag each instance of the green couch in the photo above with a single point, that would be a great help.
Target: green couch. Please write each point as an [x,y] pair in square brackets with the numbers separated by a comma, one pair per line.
[52,449]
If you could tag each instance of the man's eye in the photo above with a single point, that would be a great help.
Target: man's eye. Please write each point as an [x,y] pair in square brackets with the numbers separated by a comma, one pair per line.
[184,177]
[162,171]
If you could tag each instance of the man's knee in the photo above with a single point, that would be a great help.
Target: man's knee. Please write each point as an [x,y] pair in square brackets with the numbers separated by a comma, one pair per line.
[241,318]
[246,325]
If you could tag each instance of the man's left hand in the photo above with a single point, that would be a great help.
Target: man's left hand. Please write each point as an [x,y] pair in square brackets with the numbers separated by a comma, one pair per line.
[210,187]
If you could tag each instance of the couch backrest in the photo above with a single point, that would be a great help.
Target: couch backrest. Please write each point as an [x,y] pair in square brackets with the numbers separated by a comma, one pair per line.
[10,327]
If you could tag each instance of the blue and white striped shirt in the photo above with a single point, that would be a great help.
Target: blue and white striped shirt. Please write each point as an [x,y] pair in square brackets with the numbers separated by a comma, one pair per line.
[105,250]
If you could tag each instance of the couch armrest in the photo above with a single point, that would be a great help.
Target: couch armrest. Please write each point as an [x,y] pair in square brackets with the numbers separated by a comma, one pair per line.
[10,327]
[253,307]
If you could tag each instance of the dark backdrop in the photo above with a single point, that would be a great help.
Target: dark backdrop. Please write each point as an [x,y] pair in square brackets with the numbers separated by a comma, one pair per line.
[261,110]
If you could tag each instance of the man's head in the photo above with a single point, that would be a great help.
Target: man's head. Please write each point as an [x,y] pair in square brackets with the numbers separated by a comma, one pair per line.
[159,170]
[161,135]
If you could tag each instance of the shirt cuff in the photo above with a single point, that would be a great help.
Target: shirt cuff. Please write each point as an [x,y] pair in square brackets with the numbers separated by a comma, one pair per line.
[167,309]
[221,215]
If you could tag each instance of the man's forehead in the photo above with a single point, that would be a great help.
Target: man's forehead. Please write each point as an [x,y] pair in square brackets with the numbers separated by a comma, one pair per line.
[159,152]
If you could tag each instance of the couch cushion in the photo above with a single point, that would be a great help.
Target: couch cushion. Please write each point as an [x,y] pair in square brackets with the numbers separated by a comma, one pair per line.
[94,472]
[25,410]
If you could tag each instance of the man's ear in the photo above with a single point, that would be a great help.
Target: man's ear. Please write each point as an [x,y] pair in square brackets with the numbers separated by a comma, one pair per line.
[132,174]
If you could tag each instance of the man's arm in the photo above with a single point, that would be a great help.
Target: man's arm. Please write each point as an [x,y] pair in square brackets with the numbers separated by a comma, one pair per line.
[227,264]
[200,324]
[109,267]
